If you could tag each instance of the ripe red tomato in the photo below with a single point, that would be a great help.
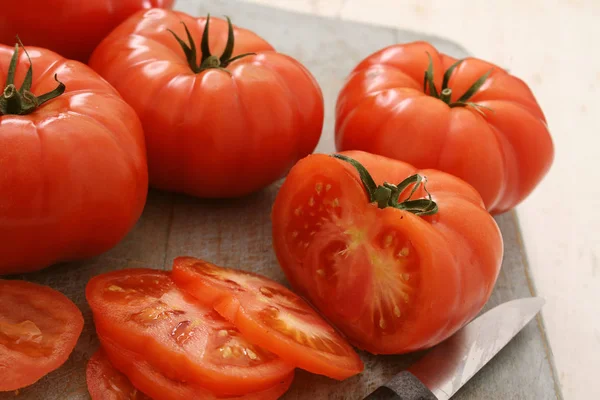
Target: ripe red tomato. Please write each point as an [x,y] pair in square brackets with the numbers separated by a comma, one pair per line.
[393,269]
[39,328]
[143,311]
[269,315]
[144,376]
[73,167]
[105,382]
[473,120]
[72,28]
[215,126]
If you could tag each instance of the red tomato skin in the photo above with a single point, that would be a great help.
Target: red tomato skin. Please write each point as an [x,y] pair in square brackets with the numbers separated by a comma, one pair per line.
[459,251]
[212,134]
[72,28]
[17,369]
[74,172]
[503,153]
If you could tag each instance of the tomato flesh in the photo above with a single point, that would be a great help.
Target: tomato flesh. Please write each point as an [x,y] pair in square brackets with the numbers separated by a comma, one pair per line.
[39,328]
[345,255]
[337,243]
[151,381]
[144,311]
[105,382]
[271,316]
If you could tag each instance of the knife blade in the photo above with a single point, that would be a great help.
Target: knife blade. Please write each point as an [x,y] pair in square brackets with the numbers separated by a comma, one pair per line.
[450,364]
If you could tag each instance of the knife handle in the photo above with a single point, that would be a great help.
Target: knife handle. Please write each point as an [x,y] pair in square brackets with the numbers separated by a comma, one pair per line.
[404,386]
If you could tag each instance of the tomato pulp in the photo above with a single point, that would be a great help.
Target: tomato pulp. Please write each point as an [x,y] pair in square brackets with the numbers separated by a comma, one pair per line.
[144,312]
[39,328]
[270,315]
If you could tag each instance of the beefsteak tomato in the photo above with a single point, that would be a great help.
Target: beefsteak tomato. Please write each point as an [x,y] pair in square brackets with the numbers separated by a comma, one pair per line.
[396,267]
[469,118]
[39,328]
[72,28]
[73,172]
[215,126]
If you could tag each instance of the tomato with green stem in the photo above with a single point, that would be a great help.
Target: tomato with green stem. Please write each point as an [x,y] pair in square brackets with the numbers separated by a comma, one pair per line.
[269,315]
[396,267]
[467,117]
[215,126]
[74,177]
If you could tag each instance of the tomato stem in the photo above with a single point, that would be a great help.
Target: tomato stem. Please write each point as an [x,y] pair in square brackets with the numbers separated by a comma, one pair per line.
[208,61]
[445,94]
[388,194]
[21,101]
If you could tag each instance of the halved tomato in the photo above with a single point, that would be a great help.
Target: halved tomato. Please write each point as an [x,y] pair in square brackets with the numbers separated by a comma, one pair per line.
[144,311]
[39,328]
[269,315]
[148,379]
[397,258]
[105,382]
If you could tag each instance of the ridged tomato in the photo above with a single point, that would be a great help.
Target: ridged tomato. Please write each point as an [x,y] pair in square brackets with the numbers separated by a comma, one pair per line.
[396,267]
[471,119]
[216,126]
[73,172]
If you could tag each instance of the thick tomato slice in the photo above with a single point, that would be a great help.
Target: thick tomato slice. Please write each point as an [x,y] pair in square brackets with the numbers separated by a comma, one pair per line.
[148,379]
[269,315]
[144,311]
[105,382]
[39,328]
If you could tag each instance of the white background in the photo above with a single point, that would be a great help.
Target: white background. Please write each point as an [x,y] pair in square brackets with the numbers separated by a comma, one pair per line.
[554,45]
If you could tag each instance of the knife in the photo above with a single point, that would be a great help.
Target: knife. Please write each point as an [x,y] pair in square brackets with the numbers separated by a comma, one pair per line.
[449,365]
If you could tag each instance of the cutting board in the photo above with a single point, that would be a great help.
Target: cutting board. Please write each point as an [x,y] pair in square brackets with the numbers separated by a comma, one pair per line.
[237,233]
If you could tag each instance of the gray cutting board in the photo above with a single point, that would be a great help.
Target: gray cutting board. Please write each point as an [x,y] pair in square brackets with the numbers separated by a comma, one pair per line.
[238,232]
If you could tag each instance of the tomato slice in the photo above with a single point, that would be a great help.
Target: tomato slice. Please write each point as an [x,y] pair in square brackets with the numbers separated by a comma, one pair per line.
[271,316]
[148,379]
[144,311]
[105,382]
[39,328]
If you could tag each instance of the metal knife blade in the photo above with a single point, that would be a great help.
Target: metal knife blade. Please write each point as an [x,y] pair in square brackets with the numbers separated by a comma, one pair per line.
[449,365]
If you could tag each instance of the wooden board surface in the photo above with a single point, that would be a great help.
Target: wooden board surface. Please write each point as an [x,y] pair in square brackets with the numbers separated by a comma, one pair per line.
[237,233]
